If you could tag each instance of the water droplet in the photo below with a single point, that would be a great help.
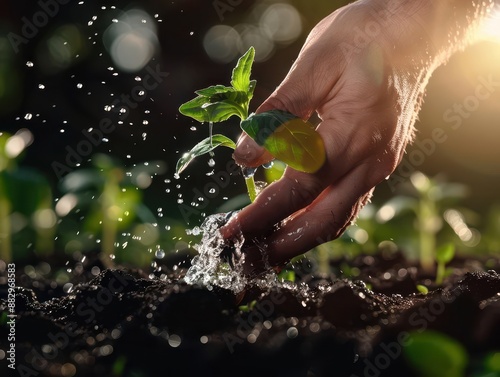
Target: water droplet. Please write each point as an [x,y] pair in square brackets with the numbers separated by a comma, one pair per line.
[79,85]
[107,108]
[248,172]
[28,116]
[160,254]
[211,162]
[29,64]
[145,122]
[41,86]
[269,165]
[68,287]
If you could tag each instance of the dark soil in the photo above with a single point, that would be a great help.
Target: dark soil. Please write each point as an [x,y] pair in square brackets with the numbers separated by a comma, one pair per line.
[127,322]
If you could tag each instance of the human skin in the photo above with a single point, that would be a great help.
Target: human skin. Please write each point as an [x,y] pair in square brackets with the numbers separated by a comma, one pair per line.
[363,70]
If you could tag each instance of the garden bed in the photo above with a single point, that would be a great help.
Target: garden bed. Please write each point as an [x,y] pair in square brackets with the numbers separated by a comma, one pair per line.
[126,322]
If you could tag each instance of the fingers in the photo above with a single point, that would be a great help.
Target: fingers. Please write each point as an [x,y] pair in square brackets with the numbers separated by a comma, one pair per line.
[248,153]
[292,192]
[322,221]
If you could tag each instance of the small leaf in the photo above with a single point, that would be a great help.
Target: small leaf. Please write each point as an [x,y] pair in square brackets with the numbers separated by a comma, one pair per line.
[196,109]
[251,89]
[215,89]
[422,289]
[219,104]
[288,138]
[240,79]
[203,147]
[434,354]
[445,253]
[221,111]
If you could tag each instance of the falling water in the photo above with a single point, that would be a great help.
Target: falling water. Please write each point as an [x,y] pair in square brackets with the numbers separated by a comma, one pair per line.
[208,268]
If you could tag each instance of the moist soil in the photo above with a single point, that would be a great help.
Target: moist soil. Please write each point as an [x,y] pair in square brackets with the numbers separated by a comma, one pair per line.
[129,322]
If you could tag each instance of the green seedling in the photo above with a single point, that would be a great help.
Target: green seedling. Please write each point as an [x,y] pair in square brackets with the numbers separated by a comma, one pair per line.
[444,255]
[422,289]
[286,137]
[112,200]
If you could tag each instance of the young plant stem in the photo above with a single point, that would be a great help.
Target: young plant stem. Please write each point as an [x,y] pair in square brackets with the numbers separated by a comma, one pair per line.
[426,215]
[109,223]
[440,273]
[251,188]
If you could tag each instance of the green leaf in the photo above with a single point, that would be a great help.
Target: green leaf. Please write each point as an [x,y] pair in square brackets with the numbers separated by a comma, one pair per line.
[240,79]
[219,104]
[433,354]
[288,138]
[221,111]
[215,89]
[196,109]
[205,146]
[445,253]
[422,289]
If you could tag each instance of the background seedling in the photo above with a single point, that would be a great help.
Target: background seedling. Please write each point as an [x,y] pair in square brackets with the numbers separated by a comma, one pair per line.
[444,255]
[25,198]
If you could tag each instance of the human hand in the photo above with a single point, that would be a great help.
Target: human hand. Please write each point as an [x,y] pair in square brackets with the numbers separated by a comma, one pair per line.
[363,70]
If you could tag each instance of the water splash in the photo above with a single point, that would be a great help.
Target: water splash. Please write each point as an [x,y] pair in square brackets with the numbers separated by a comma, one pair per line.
[208,268]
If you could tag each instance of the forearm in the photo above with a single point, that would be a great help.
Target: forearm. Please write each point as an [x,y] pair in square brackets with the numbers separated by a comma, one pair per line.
[440,27]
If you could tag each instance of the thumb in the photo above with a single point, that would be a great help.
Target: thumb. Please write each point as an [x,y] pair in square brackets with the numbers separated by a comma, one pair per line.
[295,95]
[250,154]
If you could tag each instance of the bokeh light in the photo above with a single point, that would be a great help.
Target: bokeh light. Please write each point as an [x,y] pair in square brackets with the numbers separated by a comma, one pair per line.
[222,43]
[131,40]
[266,27]
[282,23]
[491,29]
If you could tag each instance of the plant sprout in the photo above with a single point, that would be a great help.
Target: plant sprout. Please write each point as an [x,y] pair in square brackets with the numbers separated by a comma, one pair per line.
[286,137]
[444,255]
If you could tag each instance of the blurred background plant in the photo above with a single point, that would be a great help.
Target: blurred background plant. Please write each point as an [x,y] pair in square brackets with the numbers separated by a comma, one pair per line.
[90,61]
[26,211]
